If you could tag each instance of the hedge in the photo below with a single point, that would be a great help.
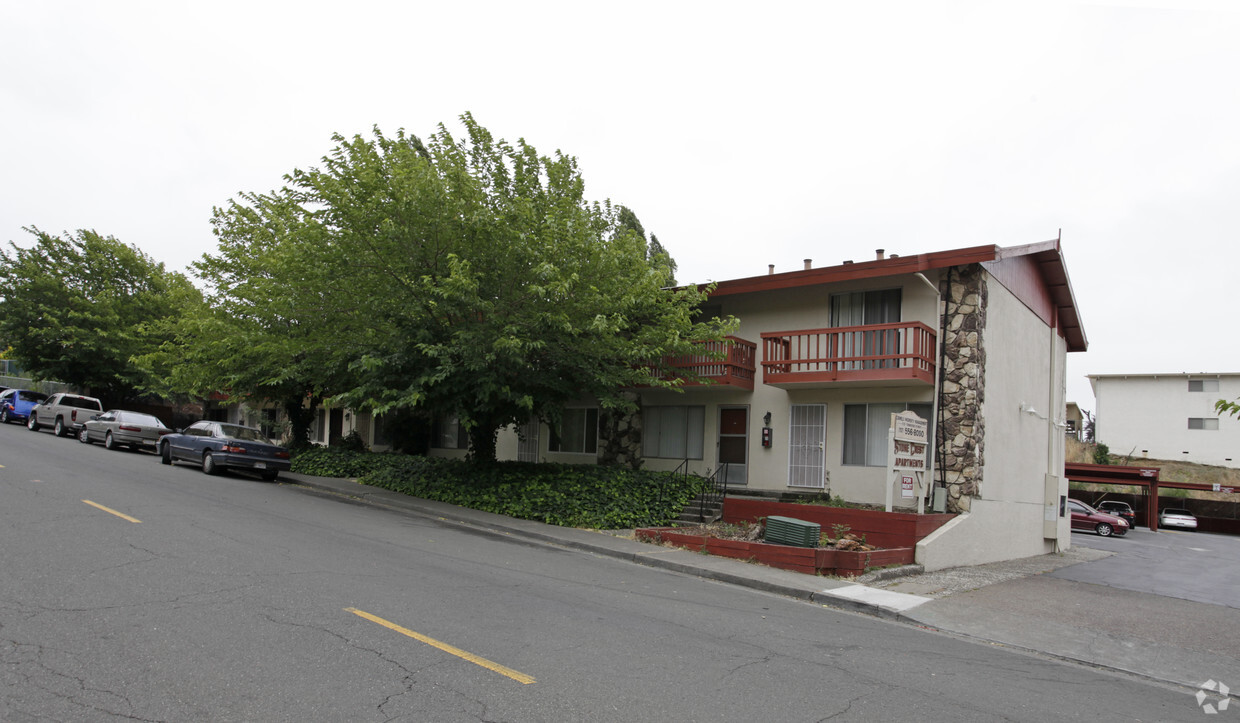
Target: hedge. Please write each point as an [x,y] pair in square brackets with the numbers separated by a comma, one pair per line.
[589,496]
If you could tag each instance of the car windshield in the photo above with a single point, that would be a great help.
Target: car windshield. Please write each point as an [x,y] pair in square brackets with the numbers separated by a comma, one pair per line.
[246,434]
[31,396]
[1182,513]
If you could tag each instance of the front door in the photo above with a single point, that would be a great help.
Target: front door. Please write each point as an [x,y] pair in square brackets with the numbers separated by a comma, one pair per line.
[734,443]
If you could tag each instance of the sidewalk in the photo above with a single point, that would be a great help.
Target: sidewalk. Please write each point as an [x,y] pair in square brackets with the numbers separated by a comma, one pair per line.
[1011,604]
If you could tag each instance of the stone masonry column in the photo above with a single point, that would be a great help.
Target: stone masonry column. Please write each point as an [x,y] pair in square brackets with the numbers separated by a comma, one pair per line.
[960,426]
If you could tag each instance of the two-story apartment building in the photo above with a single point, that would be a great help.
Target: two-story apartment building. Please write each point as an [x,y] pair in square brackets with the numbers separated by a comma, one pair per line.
[1167,416]
[973,340]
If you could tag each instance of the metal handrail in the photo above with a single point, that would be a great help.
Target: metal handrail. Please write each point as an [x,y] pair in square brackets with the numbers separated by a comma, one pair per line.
[715,489]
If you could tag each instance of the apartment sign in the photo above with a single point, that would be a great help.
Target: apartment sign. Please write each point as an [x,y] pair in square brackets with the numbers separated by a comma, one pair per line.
[910,428]
[908,452]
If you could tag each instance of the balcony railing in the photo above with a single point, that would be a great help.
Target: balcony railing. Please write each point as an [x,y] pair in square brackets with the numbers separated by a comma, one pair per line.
[878,353]
[729,363]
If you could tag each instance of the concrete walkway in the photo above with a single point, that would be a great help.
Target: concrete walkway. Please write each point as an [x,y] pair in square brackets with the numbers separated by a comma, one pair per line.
[1015,604]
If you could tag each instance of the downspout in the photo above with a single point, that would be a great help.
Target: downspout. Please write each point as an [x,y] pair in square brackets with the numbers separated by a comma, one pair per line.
[936,413]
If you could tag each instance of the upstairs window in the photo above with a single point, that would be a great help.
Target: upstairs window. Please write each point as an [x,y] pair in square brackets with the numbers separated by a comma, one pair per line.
[1206,423]
[1203,385]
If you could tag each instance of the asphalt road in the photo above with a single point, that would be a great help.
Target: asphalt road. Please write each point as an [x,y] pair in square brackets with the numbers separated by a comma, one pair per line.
[134,591]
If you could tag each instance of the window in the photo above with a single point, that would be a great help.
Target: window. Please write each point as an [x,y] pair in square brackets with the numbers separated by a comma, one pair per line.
[865,430]
[673,432]
[866,308]
[449,434]
[1203,423]
[577,433]
[1203,385]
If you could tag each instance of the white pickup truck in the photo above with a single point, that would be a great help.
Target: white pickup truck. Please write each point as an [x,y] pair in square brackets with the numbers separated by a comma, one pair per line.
[64,413]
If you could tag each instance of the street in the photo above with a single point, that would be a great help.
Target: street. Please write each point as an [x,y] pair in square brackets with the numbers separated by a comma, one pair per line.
[136,591]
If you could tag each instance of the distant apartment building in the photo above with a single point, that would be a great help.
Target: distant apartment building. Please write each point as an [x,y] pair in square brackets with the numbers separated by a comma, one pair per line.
[1167,416]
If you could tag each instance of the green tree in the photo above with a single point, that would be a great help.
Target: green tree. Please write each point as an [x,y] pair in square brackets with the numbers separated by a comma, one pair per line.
[458,276]
[1232,408]
[79,308]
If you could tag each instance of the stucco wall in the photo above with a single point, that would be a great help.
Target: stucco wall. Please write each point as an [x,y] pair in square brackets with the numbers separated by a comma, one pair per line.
[788,310]
[1147,416]
[992,531]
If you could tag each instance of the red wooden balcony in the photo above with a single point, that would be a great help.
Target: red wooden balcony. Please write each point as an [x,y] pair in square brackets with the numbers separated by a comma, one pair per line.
[733,369]
[877,354]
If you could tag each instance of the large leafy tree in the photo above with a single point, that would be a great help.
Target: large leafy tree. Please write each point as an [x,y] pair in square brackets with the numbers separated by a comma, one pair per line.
[468,276]
[78,308]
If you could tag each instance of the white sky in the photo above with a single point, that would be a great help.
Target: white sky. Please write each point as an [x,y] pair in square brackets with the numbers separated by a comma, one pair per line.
[742,134]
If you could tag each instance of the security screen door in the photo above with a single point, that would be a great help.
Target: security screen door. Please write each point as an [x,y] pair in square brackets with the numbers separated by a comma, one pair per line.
[807,439]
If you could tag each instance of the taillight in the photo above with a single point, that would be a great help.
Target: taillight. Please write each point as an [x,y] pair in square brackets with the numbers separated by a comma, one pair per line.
[281,455]
[73,416]
[233,448]
[129,428]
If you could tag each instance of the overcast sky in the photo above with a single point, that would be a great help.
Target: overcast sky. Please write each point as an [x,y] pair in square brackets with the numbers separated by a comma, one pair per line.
[742,134]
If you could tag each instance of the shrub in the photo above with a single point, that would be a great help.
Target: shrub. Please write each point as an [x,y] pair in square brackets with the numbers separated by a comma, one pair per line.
[337,461]
[559,494]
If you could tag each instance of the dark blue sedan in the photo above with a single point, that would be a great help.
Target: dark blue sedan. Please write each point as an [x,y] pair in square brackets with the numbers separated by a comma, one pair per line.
[15,404]
[218,445]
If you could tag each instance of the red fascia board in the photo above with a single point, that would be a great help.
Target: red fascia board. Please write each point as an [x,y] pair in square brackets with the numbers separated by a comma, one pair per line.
[877,268]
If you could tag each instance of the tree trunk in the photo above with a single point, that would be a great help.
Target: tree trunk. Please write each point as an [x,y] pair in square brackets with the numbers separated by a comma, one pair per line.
[300,417]
[482,442]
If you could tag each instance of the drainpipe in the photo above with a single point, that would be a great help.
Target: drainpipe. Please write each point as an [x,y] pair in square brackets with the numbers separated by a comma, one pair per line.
[938,378]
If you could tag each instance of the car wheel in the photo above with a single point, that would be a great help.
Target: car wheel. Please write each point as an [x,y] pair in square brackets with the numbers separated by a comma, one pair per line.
[58,428]
[271,475]
[32,422]
[83,436]
[108,443]
[4,415]
[208,464]
[1103,529]
[165,453]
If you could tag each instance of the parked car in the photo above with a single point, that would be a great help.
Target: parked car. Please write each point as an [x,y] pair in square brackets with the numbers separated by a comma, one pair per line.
[1085,517]
[122,428]
[217,445]
[15,404]
[1119,509]
[1177,517]
[65,413]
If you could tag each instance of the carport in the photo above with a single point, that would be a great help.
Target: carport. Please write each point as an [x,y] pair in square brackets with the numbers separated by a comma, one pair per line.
[1145,478]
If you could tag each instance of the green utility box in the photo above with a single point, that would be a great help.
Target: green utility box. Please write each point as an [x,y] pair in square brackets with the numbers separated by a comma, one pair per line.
[788,531]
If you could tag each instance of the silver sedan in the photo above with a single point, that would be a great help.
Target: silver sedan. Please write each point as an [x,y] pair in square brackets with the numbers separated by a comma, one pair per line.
[121,428]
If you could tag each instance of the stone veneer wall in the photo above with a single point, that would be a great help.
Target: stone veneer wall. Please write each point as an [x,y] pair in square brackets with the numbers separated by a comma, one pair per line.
[961,429]
[621,435]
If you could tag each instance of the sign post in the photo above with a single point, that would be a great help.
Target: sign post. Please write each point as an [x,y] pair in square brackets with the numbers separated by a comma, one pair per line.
[907,439]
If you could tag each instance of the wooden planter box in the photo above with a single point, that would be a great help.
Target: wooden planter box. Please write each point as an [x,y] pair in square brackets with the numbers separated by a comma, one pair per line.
[808,560]
[882,529]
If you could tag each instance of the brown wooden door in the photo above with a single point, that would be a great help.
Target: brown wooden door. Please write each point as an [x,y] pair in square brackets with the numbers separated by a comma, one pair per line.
[734,443]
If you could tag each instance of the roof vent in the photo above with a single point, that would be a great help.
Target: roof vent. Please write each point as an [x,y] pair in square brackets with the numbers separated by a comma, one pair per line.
[848,262]
[770,269]
[809,264]
[879,253]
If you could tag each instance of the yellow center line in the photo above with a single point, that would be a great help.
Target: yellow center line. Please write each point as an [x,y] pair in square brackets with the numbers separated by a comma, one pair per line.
[121,515]
[496,667]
